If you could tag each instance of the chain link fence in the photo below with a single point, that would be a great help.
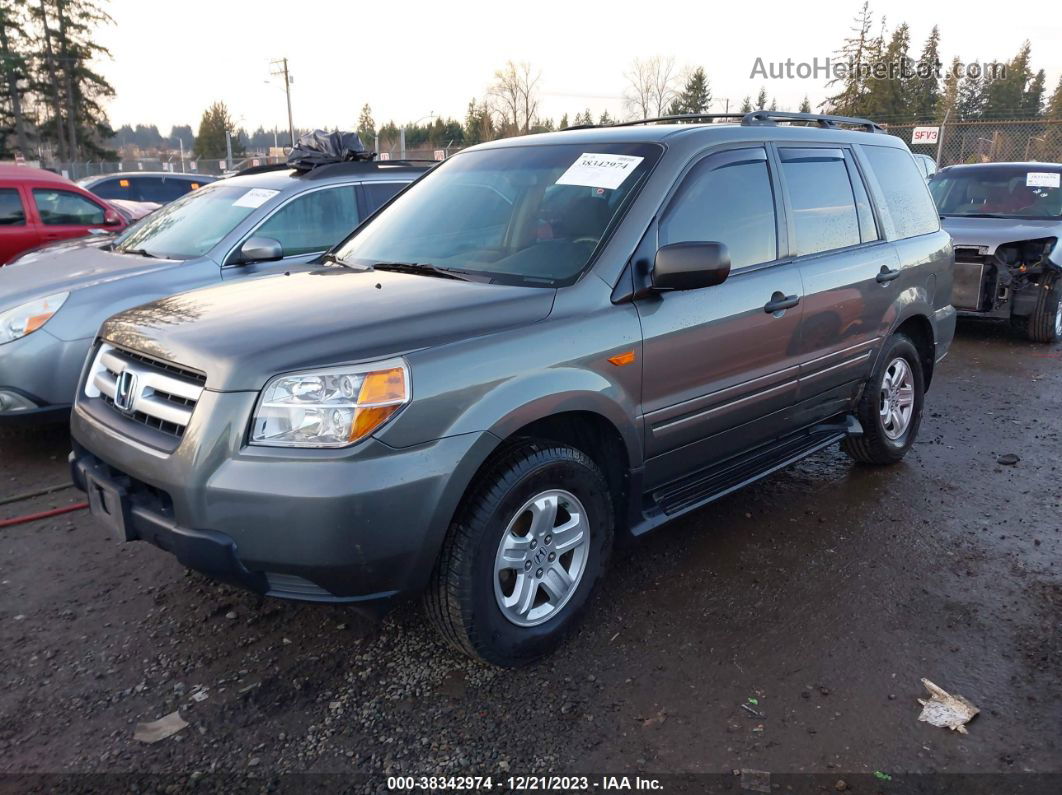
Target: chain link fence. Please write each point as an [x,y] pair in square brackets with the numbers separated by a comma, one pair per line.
[989,141]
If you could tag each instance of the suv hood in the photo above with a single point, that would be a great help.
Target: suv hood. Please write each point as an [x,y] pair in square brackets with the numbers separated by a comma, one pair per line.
[242,335]
[70,265]
[994,232]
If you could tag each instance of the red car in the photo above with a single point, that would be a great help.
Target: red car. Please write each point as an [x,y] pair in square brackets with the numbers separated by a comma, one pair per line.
[38,207]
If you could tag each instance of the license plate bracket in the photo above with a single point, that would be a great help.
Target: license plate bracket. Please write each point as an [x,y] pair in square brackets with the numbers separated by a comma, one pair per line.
[108,503]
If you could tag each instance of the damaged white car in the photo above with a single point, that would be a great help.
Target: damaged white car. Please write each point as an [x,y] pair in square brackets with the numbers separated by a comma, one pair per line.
[1005,220]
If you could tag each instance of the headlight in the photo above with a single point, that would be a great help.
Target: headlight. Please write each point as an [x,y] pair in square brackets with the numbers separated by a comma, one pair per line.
[330,408]
[29,317]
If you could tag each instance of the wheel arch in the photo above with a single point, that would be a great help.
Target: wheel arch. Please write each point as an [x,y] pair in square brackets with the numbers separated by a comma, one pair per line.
[919,329]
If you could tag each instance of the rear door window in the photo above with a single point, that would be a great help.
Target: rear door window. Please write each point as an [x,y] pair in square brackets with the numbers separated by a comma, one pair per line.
[726,198]
[12,213]
[160,189]
[377,194]
[65,208]
[904,187]
[313,222]
[821,198]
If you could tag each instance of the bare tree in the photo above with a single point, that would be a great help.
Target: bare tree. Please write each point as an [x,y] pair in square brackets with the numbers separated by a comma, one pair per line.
[650,86]
[514,96]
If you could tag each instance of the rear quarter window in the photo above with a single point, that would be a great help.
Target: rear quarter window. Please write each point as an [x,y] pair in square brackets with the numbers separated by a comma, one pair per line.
[904,188]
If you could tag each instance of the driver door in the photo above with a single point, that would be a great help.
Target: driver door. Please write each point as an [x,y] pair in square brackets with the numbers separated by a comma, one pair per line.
[721,363]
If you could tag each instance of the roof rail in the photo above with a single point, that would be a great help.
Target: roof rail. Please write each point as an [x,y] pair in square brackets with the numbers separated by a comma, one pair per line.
[756,117]
[771,117]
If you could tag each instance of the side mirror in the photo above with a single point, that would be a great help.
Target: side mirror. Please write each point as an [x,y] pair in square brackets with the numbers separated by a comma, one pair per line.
[112,218]
[690,266]
[260,249]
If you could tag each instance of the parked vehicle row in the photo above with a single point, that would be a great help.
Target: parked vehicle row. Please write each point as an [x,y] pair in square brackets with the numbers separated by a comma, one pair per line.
[224,232]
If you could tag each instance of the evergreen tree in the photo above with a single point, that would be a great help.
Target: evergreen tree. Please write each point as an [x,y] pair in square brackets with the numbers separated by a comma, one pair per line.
[948,100]
[1006,95]
[605,119]
[1054,105]
[971,96]
[65,74]
[888,98]
[1032,101]
[855,54]
[366,126]
[210,141]
[805,105]
[925,85]
[14,70]
[746,106]
[563,122]
[696,94]
[761,98]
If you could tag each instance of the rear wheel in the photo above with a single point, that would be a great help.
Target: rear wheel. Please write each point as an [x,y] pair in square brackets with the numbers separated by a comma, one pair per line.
[1045,322]
[523,556]
[890,410]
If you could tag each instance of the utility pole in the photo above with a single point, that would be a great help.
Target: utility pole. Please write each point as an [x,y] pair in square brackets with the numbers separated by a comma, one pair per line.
[281,70]
[180,141]
[228,150]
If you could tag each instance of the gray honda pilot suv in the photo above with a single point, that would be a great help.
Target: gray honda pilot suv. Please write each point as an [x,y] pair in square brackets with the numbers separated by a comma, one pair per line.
[544,345]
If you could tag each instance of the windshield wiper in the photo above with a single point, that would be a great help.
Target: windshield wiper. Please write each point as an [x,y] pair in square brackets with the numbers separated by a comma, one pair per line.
[425,269]
[332,259]
[140,252]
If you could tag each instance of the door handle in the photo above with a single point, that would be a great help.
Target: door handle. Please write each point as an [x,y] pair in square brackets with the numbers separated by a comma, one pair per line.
[780,302]
[885,275]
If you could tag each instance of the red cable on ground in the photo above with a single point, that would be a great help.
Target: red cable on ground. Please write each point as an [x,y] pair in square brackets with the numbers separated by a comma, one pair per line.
[33,517]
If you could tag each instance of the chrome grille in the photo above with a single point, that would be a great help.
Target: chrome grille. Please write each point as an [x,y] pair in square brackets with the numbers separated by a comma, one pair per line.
[156,394]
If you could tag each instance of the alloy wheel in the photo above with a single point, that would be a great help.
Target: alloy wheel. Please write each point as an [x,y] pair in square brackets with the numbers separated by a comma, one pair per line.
[897,398]
[541,557]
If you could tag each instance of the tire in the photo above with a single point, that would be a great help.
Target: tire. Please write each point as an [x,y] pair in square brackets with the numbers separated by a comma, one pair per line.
[1045,322]
[886,439]
[472,577]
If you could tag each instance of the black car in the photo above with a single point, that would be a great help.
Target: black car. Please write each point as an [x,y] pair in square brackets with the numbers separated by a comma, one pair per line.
[160,187]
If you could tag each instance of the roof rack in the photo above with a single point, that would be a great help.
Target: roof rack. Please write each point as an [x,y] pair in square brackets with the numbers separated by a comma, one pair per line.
[755,118]
[829,121]
[356,165]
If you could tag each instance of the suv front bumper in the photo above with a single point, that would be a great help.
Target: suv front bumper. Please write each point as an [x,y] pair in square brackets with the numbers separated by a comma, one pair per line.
[362,525]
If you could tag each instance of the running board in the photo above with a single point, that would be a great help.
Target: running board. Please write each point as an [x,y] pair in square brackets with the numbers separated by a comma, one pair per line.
[709,484]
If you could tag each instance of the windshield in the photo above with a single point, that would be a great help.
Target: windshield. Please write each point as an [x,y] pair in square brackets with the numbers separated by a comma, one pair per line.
[521,215]
[193,224]
[1014,192]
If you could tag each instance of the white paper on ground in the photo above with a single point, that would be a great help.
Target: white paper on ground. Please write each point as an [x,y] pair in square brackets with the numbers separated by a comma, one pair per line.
[945,710]
[593,170]
[255,197]
[1042,179]
[156,730]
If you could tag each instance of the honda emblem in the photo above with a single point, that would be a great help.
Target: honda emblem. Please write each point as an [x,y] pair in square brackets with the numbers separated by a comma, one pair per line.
[125,391]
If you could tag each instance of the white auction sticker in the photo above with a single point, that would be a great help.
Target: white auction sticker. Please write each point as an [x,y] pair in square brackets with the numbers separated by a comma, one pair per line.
[255,197]
[1042,179]
[600,171]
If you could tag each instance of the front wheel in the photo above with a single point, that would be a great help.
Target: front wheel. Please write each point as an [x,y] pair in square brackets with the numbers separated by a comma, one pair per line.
[1045,322]
[890,410]
[523,555]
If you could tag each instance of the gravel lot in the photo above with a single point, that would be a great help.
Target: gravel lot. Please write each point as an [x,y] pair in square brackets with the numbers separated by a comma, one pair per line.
[824,593]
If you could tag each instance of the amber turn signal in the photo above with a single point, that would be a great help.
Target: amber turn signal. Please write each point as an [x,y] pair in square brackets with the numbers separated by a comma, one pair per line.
[622,359]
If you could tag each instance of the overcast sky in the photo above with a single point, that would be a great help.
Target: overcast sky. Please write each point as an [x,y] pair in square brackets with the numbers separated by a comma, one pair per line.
[434,57]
